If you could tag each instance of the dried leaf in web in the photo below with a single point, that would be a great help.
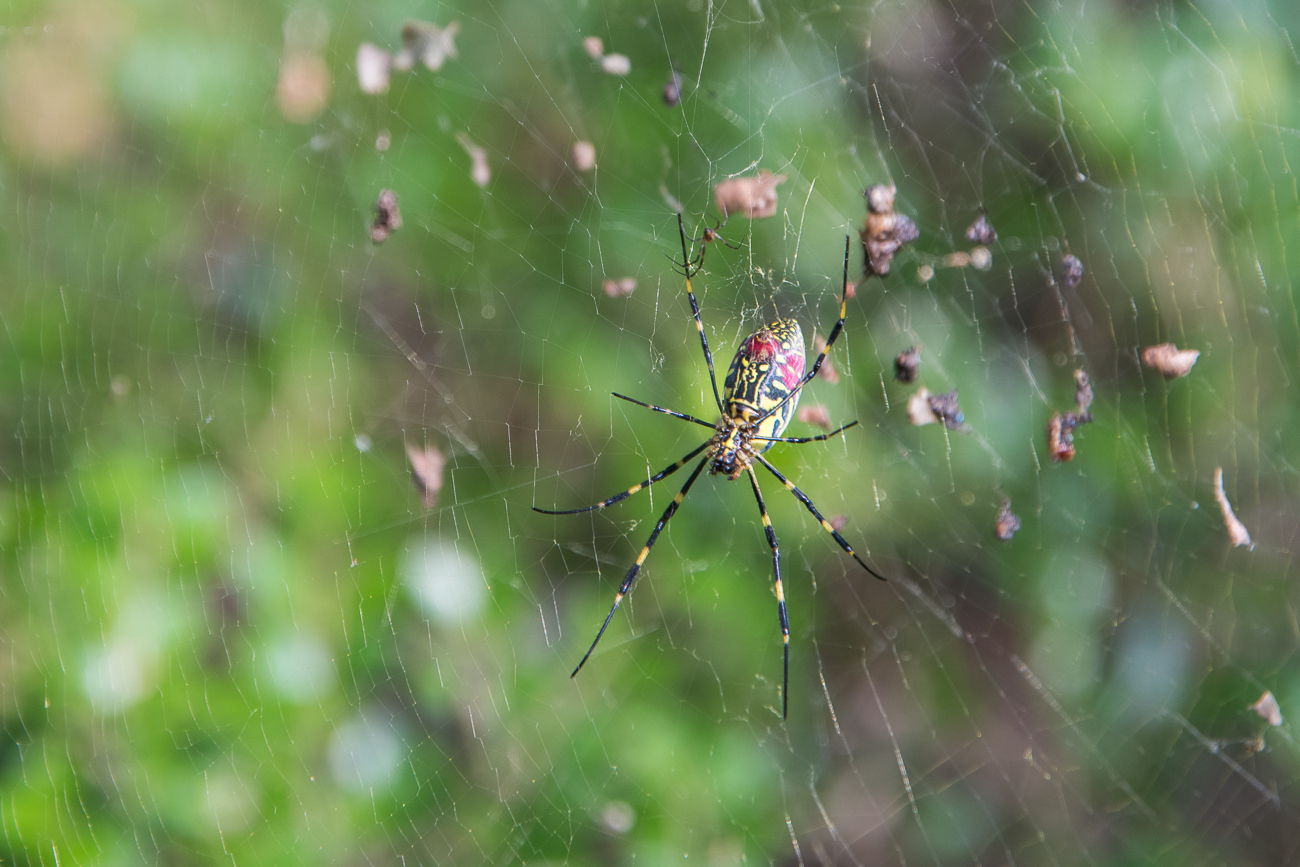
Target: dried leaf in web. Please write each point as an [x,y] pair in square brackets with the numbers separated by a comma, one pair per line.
[815,414]
[885,231]
[1007,523]
[1071,271]
[427,43]
[919,411]
[1237,531]
[373,64]
[754,197]
[1170,361]
[426,471]
[388,216]
[1268,709]
[1082,393]
[981,231]
[907,364]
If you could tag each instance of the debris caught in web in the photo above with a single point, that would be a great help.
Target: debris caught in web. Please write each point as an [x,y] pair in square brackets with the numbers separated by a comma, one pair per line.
[1008,522]
[594,46]
[839,522]
[1082,393]
[620,288]
[1071,271]
[616,64]
[907,364]
[885,231]
[426,471]
[673,89]
[925,408]
[479,170]
[383,141]
[827,371]
[754,197]
[373,64]
[427,43]
[584,156]
[388,217]
[1061,426]
[1237,532]
[1170,361]
[981,231]
[1268,709]
[815,414]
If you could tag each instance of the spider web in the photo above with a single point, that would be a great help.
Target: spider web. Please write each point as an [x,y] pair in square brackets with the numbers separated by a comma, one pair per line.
[233,633]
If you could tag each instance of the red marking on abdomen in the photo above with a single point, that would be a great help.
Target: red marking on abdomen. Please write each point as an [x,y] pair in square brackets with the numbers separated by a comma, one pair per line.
[792,370]
[760,348]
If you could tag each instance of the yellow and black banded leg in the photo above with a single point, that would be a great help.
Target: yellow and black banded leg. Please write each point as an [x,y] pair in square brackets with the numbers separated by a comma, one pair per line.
[667,471]
[798,440]
[672,412]
[830,341]
[699,323]
[640,559]
[826,525]
[781,613]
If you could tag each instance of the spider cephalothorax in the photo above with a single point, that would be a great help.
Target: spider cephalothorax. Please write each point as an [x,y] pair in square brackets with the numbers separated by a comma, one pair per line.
[759,397]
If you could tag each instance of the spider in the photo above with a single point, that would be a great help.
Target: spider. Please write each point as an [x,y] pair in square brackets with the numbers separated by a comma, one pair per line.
[758,400]
[708,236]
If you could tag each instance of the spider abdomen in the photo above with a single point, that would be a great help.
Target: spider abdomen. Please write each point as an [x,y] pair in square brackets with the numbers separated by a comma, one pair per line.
[767,370]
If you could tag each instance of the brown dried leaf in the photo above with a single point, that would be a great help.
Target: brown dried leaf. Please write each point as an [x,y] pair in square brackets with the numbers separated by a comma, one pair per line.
[754,198]
[946,408]
[426,471]
[388,216]
[907,364]
[884,232]
[1170,361]
[1237,532]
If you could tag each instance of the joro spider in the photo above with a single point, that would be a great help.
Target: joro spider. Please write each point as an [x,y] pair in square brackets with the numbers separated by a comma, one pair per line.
[757,402]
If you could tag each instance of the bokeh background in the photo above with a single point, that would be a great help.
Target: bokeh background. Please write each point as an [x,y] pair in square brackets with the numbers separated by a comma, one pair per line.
[232,632]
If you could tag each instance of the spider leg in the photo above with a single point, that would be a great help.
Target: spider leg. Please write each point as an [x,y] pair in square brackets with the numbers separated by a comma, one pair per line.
[826,525]
[670,412]
[830,341]
[699,324]
[640,558]
[782,615]
[667,471]
[815,439]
